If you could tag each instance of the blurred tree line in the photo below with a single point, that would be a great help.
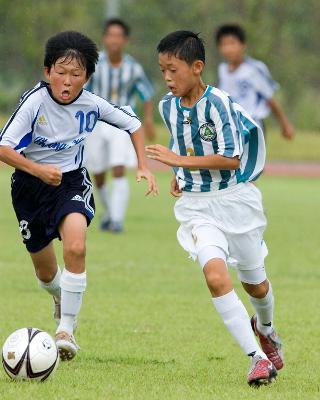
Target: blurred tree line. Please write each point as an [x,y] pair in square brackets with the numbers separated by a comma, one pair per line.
[284,34]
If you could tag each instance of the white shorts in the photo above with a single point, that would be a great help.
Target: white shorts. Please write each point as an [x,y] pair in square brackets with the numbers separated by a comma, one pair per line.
[109,147]
[232,219]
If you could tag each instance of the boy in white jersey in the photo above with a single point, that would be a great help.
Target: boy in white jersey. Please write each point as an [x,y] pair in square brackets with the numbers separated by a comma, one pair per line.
[119,78]
[51,192]
[248,80]
[217,149]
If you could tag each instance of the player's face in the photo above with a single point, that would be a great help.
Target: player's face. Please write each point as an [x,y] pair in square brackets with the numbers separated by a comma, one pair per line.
[66,78]
[231,48]
[180,77]
[114,40]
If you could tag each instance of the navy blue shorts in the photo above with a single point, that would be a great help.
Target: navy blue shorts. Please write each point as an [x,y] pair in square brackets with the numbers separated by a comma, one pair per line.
[40,207]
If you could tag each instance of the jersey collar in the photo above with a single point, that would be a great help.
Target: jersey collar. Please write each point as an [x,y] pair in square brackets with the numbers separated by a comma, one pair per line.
[47,86]
[182,108]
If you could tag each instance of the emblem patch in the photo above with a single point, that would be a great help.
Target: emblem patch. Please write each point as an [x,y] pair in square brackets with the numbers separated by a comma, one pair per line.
[208,132]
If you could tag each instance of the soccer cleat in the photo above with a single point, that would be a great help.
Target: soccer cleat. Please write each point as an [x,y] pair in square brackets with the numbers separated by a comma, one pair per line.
[115,227]
[67,346]
[271,345]
[262,372]
[105,224]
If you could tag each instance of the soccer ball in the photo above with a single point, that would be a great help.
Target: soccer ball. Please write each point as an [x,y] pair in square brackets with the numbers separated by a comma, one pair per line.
[30,354]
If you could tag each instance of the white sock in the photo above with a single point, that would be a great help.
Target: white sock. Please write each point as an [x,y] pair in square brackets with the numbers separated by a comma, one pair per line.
[236,319]
[72,289]
[104,196]
[119,199]
[53,287]
[264,308]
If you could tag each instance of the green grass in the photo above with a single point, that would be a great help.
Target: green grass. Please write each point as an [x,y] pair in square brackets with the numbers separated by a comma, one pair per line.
[147,328]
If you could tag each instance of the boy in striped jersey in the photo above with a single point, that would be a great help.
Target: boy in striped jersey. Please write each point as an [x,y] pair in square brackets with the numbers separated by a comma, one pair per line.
[248,80]
[51,191]
[119,78]
[216,151]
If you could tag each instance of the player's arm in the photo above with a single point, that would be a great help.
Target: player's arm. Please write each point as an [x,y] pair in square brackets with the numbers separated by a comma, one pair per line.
[14,140]
[214,161]
[145,90]
[148,121]
[143,172]
[124,118]
[286,127]
[47,173]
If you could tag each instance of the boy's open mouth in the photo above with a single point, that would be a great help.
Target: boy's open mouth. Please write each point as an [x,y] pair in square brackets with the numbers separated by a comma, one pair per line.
[65,94]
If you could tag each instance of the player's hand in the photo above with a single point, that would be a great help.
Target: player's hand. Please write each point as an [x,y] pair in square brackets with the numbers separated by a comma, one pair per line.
[174,188]
[288,131]
[149,177]
[162,154]
[49,174]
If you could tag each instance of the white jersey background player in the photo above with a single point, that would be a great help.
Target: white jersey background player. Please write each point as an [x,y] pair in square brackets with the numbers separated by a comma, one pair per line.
[119,78]
[247,80]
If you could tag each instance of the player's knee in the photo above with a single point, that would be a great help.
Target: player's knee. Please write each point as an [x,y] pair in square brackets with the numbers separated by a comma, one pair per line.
[118,171]
[217,281]
[75,250]
[258,291]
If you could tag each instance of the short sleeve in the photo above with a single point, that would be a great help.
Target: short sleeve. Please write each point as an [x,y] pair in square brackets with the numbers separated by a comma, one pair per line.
[143,85]
[262,81]
[121,117]
[226,125]
[18,131]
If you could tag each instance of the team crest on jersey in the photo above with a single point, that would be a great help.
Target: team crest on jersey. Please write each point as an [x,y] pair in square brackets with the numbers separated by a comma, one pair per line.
[208,131]
[42,120]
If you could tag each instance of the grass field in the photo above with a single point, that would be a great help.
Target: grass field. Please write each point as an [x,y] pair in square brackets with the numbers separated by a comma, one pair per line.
[147,328]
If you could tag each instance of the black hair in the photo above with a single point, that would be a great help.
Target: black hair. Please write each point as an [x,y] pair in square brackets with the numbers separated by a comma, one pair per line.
[71,45]
[185,45]
[117,21]
[231,29]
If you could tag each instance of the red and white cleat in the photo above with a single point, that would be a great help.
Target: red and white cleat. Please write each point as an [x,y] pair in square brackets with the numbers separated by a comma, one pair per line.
[262,372]
[271,345]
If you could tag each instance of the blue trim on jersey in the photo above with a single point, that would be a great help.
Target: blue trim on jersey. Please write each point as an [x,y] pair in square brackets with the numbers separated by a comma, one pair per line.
[183,151]
[198,150]
[229,145]
[18,108]
[81,156]
[252,150]
[27,139]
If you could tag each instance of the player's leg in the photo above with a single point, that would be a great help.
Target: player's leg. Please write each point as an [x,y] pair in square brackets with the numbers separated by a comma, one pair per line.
[261,297]
[231,309]
[250,250]
[48,274]
[72,230]
[97,155]
[119,199]
[234,314]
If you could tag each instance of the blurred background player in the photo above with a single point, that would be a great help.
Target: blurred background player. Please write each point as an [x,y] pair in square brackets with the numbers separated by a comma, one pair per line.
[248,80]
[119,78]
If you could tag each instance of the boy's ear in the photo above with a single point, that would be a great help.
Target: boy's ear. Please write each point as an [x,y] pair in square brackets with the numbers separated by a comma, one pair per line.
[198,67]
[46,72]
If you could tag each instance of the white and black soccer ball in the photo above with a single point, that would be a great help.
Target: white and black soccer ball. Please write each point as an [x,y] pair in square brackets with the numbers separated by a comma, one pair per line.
[30,354]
